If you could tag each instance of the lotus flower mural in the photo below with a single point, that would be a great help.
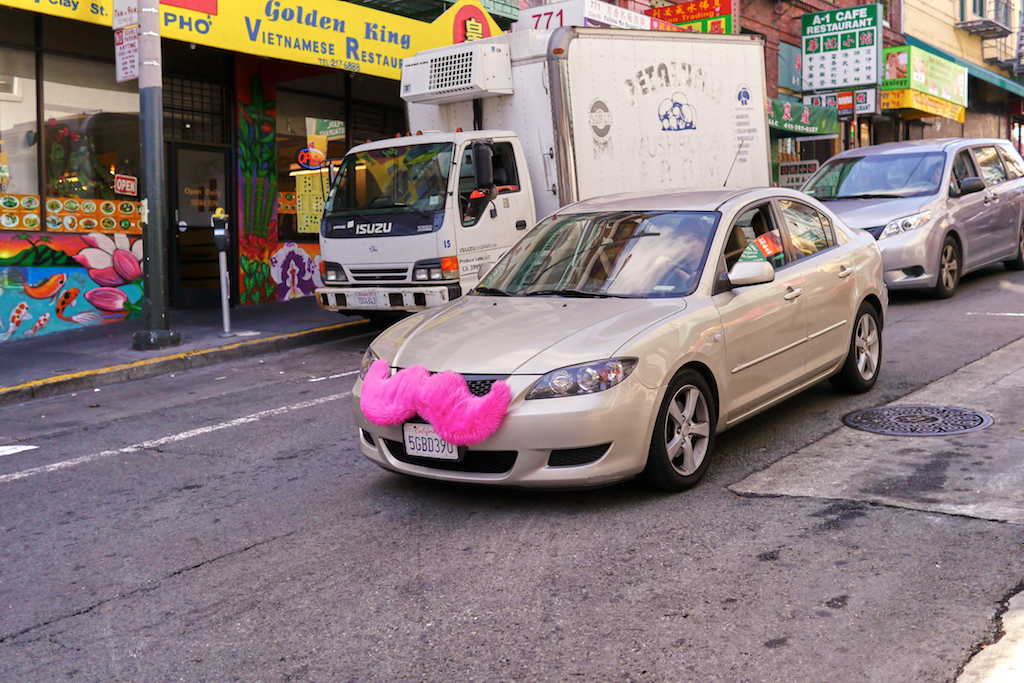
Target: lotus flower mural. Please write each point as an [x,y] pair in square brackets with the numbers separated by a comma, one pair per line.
[112,262]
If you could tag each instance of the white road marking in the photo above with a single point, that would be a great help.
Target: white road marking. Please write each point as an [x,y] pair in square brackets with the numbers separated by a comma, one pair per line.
[174,438]
[11,450]
[344,374]
[1004,315]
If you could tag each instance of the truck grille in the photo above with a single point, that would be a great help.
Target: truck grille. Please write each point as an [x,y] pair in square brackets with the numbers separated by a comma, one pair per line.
[379,275]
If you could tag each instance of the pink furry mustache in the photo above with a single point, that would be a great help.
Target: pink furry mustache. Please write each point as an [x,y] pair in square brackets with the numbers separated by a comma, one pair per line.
[444,400]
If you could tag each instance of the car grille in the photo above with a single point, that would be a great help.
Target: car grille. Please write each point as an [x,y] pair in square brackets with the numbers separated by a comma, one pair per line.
[479,385]
[573,457]
[480,462]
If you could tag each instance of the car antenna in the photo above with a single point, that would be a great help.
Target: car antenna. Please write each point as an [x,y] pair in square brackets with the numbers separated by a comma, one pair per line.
[738,149]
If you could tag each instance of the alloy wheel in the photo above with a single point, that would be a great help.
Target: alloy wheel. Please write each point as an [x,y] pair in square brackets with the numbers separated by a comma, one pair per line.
[687,429]
[948,266]
[868,346]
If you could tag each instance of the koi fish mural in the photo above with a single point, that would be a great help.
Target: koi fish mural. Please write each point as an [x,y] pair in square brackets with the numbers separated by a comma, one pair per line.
[18,315]
[48,288]
[66,301]
[42,322]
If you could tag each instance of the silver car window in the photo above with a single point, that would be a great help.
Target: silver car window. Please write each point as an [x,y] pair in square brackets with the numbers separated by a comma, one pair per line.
[877,176]
[809,232]
[1012,162]
[991,167]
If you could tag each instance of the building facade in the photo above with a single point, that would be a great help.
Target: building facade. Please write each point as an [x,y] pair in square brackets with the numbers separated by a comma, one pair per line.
[251,93]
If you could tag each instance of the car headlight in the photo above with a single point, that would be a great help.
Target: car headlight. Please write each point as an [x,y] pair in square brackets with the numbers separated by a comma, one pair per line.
[588,378]
[905,224]
[332,272]
[368,359]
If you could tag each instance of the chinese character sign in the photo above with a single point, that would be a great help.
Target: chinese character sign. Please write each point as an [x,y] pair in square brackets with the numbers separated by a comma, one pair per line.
[842,48]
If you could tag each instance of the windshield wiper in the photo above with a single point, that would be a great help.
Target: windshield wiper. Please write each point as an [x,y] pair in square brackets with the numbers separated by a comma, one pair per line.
[573,293]
[491,291]
[871,195]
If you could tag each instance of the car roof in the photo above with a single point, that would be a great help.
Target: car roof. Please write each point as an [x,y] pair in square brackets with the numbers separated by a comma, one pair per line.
[929,145]
[682,199]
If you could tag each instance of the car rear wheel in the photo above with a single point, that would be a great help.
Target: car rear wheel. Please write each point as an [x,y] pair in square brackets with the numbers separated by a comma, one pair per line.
[864,359]
[949,269]
[1018,262]
[684,434]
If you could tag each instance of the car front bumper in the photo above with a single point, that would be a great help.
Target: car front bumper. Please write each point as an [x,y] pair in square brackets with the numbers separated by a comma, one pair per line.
[611,429]
[911,260]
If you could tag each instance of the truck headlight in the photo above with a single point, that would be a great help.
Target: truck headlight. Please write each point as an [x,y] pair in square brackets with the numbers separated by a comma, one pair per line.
[588,378]
[332,272]
[905,224]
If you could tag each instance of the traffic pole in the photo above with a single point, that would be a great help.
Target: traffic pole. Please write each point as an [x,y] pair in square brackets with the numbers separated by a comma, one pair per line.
[155,301]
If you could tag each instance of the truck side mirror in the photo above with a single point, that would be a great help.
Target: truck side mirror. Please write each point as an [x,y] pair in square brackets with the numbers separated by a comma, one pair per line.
[483,169]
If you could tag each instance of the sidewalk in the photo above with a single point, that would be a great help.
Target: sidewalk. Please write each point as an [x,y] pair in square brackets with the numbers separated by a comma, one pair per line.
[100,355]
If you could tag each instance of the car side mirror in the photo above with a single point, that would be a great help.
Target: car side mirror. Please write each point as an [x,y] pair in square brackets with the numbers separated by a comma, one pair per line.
[483,169]
[971,185]
[745,273]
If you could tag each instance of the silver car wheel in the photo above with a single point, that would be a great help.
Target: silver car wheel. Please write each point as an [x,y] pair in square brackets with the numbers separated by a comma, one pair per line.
[868,345]
[949,266]
[687,428]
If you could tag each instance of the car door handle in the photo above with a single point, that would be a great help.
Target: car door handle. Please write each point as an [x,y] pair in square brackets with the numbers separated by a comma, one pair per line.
[845,271]
[792,293]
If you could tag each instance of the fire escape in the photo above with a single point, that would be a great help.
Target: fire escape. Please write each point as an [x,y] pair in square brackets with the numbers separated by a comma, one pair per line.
[1002,41]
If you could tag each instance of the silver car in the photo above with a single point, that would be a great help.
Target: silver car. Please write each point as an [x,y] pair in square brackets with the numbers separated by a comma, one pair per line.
[938,208]
[624,333]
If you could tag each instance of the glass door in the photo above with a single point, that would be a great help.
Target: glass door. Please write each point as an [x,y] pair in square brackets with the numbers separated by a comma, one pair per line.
[199,187]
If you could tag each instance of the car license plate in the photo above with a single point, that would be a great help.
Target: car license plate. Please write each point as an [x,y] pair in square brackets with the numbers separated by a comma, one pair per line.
[422,441]
[366,298]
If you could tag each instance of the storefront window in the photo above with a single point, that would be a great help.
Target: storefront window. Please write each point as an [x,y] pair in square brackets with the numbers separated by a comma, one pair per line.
[91,148]
[19,175]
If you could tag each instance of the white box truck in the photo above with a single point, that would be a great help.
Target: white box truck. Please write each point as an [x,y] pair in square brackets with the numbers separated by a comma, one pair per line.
[510,128]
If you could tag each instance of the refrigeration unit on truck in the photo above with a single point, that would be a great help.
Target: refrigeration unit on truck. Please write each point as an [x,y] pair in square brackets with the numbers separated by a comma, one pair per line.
[531,121]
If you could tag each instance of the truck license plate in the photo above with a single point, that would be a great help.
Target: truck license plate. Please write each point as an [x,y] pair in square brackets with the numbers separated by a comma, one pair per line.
[367,299]
[423,442]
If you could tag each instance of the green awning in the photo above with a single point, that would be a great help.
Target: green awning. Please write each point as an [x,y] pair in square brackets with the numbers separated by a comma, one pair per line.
[973,69]
[794,119]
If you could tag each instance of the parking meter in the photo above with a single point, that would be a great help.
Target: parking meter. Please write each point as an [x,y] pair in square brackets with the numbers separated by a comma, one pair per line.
[219,222]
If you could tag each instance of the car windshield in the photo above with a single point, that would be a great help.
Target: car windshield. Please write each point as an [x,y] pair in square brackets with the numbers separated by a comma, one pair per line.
[402,177]
[607,254]
[878,176]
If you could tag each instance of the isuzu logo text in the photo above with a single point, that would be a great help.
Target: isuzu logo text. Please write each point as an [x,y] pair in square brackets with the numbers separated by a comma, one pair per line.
[370,228]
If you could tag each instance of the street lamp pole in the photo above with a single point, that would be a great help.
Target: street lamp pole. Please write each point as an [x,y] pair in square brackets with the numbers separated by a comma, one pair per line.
[155,301]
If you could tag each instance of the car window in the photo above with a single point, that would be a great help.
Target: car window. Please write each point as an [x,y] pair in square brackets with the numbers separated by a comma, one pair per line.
[991,167]
[809,231]
[755,237]
[963,167]
[1012,162]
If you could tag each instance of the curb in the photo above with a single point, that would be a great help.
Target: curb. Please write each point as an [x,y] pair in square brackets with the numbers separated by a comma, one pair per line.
[178,362]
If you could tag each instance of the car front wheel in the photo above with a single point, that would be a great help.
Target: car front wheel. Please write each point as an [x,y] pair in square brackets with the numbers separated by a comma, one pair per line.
[684,434]
[949,269]
[864,359]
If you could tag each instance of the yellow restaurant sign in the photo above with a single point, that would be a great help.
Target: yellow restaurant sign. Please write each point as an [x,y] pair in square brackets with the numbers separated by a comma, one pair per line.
[339,35]
[916,104]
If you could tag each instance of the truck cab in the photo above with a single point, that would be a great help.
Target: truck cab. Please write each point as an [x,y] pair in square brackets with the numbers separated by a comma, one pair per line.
[409,220]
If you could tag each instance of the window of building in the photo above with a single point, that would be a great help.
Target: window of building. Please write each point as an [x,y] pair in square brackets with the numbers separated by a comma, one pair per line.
[19,139]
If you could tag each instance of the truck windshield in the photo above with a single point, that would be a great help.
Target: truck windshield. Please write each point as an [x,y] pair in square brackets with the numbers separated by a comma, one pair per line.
[878,176]
[607,254]
[406,178]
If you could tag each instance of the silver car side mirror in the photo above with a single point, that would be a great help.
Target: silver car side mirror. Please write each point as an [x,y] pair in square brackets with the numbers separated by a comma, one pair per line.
[745,273]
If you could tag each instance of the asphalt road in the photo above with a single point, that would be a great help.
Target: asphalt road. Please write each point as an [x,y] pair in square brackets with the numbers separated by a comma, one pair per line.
[221,525]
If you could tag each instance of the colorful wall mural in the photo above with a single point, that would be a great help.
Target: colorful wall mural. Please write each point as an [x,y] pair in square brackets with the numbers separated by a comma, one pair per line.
[53,283]
[268,270]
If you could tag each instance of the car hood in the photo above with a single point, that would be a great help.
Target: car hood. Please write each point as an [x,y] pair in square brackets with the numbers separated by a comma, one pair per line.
[873,213]
[531,335]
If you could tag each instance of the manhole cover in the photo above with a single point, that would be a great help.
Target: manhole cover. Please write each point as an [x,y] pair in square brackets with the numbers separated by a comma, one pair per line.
[917,420]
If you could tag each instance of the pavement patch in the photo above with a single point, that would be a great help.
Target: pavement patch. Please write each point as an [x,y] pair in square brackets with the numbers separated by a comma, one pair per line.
[977,474]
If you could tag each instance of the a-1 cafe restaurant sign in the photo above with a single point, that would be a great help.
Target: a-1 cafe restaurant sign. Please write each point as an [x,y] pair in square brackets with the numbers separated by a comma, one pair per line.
[842,48]
[328,33]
